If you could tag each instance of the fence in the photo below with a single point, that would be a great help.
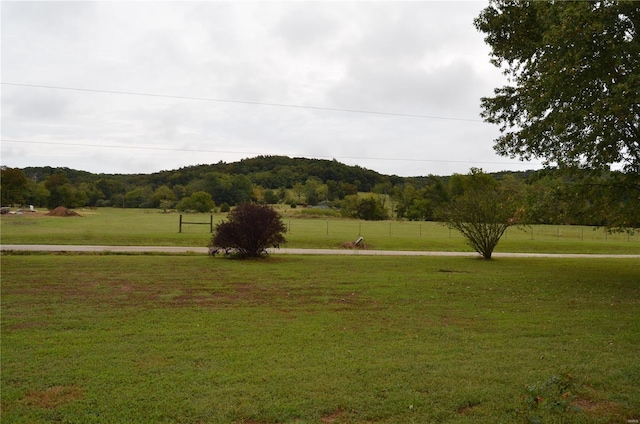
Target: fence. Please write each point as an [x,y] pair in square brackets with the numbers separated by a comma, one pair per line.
[416,229]
[210,223]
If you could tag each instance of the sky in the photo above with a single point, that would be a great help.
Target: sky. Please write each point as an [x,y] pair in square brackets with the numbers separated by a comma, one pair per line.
[140,87]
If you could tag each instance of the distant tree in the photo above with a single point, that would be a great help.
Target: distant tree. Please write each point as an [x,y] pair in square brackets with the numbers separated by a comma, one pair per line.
[248,231]
[482,212]
[269,197]
[13,186]
[322,191]
[37,194]
[600,198]
[282,195]
[333,192]
[311,190]
[165,205]
[298,190]
[403,198]
[384,191]
[139,197]
[369,209]
[198,202]
[420,210]
[345,189]
[60,191]
[112,190]
[163,195]
[241,189]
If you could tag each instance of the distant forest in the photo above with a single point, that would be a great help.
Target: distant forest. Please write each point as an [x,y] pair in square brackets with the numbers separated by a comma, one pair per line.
[549,196]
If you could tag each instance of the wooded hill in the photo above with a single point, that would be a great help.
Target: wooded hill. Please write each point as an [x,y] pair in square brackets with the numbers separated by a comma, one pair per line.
[268,172]
[548,196]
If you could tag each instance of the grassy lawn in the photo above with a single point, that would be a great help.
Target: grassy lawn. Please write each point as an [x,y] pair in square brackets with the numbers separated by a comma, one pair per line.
[141,227]
[318,339]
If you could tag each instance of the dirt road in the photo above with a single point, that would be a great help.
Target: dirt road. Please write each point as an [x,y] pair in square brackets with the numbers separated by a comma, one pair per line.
[204,250]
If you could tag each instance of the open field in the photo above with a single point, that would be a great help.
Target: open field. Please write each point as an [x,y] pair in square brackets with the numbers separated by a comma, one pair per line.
[318,339]
[140,227]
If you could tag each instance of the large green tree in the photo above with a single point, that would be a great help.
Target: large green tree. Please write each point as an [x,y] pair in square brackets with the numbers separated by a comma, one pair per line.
[573,93]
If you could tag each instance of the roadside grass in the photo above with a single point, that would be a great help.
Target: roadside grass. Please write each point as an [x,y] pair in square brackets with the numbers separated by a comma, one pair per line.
[319,339]
[109,226]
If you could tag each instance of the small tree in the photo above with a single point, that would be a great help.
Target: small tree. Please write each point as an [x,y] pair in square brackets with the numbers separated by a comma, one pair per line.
[199,201]
[369,209]
[249,231]
[482,212]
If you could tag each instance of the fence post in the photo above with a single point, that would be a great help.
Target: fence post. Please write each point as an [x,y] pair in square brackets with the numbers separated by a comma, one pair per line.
[211,223]
[180,229]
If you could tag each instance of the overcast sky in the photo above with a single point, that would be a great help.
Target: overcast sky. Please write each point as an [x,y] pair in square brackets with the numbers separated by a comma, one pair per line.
[224,81]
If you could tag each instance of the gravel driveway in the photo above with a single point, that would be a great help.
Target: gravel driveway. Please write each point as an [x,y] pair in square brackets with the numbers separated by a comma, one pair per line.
[204,250]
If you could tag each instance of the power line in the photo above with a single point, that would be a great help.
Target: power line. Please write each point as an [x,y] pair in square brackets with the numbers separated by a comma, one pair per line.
[175,149]
[207,99]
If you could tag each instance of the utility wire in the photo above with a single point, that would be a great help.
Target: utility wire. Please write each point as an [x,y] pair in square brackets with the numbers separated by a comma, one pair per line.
[206,99]
[174,149]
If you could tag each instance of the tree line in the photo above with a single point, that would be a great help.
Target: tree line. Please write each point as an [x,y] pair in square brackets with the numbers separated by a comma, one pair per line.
[548,196]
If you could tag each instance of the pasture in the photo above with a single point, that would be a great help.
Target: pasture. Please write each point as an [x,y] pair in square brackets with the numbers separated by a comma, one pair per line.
[139,227]
[318,339]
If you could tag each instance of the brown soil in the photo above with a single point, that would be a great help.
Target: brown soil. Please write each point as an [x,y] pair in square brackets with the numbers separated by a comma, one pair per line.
[62,211]
[53,396]
[352,245]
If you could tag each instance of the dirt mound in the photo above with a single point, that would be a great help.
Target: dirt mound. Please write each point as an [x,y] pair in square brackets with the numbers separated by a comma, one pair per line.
[353,245]
[62,211]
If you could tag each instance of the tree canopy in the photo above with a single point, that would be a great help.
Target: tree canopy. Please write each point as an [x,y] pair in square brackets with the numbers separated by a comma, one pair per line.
[573,68]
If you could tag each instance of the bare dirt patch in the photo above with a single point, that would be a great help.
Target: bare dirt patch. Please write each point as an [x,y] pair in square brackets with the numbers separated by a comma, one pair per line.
[336,416]
[353,245]
[598,408]
[53,396]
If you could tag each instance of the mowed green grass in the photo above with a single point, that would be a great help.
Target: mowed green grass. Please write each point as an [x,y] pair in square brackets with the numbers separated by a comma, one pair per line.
[108,226]
[319,339]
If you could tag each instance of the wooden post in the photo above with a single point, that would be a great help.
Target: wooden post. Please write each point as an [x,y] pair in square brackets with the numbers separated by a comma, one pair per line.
[211,223]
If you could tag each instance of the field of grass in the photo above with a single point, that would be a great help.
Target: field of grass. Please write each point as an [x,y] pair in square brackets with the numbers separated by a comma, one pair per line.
[319,339]
[107,226]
